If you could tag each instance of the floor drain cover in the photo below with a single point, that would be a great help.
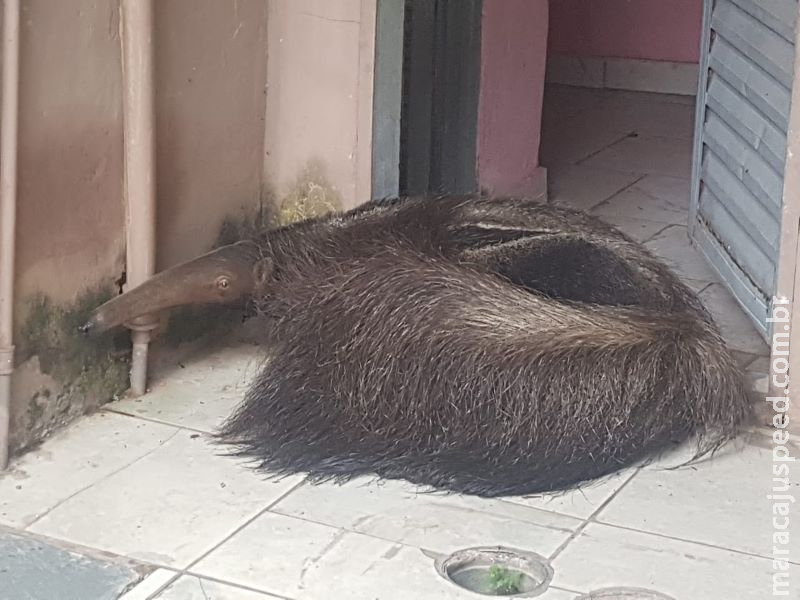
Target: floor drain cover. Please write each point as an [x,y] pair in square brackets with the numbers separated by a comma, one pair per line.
[497,571]
[625,594]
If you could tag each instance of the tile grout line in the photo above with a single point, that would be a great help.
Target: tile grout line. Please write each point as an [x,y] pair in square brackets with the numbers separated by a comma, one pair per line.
[624,188]
[660,231]
[104,478]
[673,138]
[230,584]
[538,511]
[563,589]
[658,173]
[593,519]
[135,591]
[705,287]
[590,518]
[154,595]
[176,575]
[753,358]
[153,420]
[347,529]
[625,136]
[186,570]
[547,511]
[687,541]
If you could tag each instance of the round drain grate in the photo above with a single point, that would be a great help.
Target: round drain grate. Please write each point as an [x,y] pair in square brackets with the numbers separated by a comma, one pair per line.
[497,571]
[625,594]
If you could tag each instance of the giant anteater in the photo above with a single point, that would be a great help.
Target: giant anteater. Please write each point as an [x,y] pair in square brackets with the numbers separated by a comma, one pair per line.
[490,347]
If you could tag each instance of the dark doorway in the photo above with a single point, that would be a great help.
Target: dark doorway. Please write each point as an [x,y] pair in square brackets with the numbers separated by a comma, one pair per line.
[441,82]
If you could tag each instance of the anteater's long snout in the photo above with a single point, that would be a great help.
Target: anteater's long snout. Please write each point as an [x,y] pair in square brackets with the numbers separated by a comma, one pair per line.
[223,276]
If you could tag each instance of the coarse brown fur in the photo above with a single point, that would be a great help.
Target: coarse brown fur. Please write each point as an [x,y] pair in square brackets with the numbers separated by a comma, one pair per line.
[491,347]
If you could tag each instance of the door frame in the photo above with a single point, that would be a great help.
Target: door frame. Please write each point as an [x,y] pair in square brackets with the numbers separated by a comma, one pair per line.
[787,285]
[387,98]
[426,97]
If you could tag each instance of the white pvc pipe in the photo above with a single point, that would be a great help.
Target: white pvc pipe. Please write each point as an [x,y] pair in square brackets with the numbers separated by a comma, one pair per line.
[8,203]
[140,166]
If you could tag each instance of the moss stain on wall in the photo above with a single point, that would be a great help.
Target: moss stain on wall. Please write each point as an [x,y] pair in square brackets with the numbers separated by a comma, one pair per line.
[311,195]
[62,374]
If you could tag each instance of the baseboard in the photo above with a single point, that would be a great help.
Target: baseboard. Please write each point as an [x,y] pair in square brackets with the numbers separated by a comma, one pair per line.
[623,74]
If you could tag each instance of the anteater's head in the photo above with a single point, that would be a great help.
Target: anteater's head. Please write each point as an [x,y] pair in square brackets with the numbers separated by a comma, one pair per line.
[227,275]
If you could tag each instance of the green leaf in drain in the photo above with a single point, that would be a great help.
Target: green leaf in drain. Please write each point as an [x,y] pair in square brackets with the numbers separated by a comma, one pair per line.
[505,581]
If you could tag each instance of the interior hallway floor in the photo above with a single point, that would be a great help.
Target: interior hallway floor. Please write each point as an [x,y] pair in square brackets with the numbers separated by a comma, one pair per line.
[140,491]
[626,157]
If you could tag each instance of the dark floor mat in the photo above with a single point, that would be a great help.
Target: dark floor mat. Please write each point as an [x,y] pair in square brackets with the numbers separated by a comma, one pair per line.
[34,570]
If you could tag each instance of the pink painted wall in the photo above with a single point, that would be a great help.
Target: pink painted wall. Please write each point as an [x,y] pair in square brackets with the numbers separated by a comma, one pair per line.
[514,52]
[649,29]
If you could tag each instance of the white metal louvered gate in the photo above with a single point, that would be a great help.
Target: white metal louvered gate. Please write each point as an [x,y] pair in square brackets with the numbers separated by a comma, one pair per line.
[743,107]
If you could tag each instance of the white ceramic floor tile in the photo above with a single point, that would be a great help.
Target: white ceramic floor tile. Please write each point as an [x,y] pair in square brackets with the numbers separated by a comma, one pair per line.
[697,285]
[305,560]
[200,394]
[761,364]
[580,503]
[746,359]
[629,97]
[569,143]
[586,72]
[555,594]
[711,496]
[195,588]
[674,190]
[167,508]
[736,327]
[624,73]
[395,511]
[674,247]
[637,229]
[604,556]
[149,585]
[90,449]
[634,203]
[761,437]
[660,119]
[562,102]
[646,154]
[583,187]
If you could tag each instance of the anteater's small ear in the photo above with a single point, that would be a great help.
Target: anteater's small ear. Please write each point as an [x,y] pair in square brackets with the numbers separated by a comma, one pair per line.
[262,271]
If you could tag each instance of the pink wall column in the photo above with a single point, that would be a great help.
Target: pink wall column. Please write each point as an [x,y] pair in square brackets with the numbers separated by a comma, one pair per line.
[667,30]
[513,57]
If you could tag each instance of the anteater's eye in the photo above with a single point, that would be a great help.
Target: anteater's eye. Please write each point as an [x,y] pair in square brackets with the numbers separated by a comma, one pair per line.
[223,283]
